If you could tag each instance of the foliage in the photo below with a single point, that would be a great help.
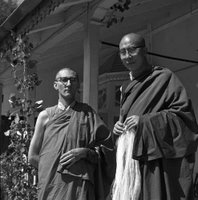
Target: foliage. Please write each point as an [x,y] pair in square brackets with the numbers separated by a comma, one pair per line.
[6,8]
[17,176]
[113,15]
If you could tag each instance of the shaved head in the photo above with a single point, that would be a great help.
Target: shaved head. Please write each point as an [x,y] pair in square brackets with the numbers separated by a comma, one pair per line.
[133,38]
[68,70]
[67,85]
[133,54]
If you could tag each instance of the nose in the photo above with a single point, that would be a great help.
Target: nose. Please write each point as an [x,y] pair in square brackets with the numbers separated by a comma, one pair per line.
[127,58]
[126,55]
[69,82]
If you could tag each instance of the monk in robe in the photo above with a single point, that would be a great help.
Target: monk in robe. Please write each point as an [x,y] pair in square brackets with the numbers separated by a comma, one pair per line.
[71,147]
[156,107]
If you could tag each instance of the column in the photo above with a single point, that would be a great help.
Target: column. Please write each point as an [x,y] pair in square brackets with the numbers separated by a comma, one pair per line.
[91,65]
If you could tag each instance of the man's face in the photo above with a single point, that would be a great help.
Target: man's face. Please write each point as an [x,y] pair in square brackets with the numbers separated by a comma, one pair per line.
[131,54]
[67,83]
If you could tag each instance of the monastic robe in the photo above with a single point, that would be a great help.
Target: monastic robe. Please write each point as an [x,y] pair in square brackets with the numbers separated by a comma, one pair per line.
[166,137]
[77,127]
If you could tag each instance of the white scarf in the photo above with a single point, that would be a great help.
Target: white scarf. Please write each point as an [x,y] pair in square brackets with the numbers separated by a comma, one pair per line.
[127,183]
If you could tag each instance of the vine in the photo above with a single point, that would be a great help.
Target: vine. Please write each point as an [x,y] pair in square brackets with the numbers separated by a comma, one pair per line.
[113,14]
[18,178]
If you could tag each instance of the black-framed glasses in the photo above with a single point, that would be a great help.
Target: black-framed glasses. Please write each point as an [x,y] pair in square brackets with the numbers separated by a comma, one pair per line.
[66,79]
[131,50]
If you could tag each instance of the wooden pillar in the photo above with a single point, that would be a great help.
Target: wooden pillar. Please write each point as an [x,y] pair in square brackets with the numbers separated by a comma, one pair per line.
[91,65]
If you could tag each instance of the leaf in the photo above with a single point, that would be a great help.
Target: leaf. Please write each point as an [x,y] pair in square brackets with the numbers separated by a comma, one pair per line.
[16,119]
[7,133]
[12,97]
[22,150]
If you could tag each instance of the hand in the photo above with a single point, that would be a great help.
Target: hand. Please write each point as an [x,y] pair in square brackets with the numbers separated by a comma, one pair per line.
[118,128]
[72,156]
[132,122]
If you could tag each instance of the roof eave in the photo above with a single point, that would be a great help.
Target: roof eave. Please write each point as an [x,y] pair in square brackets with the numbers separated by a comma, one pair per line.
[16,16]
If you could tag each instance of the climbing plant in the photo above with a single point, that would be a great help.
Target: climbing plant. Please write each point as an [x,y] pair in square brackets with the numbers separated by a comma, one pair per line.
[18,178]
[113,15]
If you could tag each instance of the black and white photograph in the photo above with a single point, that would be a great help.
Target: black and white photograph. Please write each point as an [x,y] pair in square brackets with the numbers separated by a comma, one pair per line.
[99,99]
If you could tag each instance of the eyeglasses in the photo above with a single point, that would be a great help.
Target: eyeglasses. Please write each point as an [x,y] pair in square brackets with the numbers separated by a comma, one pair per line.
[66,79]
[131,50]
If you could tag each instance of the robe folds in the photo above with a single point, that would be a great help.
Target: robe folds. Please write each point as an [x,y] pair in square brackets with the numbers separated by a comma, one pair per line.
[167,134]
[87,179]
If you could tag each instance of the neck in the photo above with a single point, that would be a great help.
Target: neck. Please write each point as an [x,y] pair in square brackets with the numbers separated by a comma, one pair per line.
[142,70]
[66,102]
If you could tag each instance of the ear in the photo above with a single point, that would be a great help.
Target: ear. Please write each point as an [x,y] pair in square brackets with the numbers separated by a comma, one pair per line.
[55,86]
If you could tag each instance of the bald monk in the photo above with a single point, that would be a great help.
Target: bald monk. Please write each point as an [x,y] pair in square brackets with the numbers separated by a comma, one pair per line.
[69,147]
[156,108]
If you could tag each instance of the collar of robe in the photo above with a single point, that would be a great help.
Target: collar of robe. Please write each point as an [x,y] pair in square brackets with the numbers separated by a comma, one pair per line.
[61,106]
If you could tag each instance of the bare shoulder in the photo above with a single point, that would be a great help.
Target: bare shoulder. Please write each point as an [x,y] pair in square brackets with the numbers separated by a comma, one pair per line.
[43,114]
[43,117]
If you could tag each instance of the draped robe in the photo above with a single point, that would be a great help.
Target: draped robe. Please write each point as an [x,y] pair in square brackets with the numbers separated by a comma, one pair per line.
[166,136]
[77,127]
